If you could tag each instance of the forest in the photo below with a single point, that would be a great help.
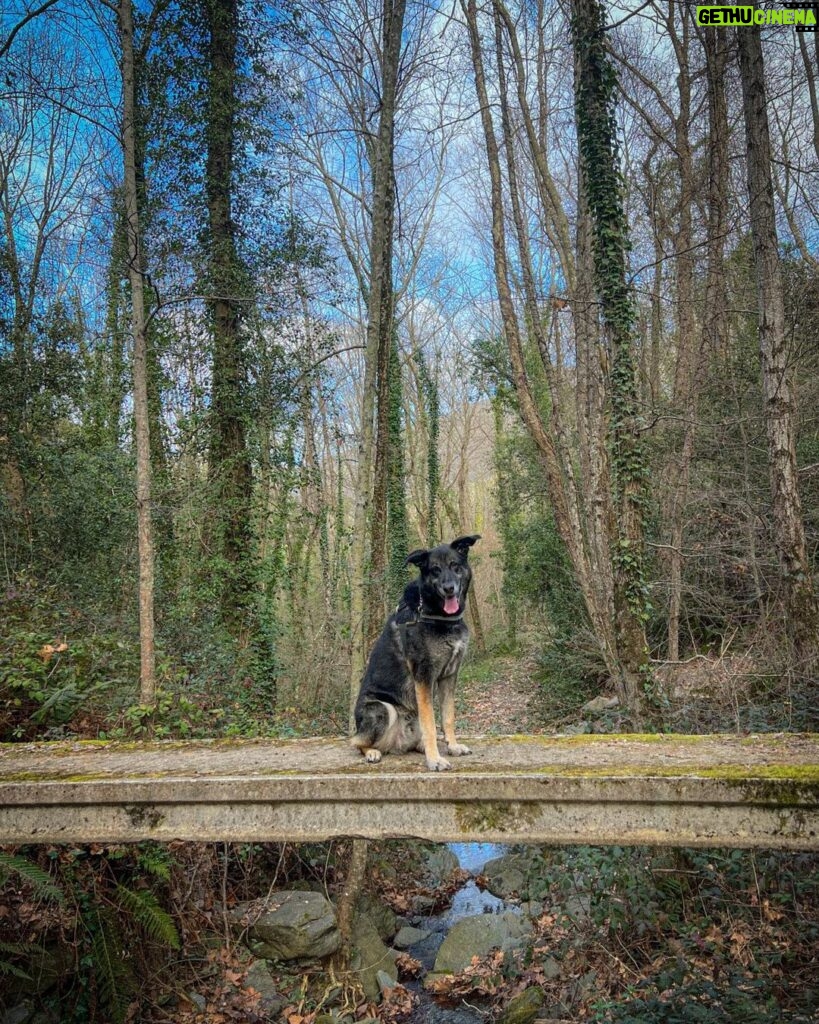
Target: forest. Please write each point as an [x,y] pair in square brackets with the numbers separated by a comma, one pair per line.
[288,290]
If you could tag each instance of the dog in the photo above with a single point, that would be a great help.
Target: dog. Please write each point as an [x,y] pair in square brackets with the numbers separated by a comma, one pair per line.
[417,655]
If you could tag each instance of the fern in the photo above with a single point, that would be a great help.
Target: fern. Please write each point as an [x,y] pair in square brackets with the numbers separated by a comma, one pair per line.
[16,949]
[115,979]
[144,908]
[155,860]
[38,879]
[61,704]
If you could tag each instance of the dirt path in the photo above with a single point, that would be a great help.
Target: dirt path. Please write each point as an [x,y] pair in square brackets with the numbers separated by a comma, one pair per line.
[499,696]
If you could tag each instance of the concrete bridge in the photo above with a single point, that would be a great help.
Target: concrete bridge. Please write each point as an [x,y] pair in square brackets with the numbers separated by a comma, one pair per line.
[737,791]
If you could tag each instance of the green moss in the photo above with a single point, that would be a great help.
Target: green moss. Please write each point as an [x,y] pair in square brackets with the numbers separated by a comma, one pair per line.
[68,748]
[494,816]
[632,737]
[795,789]
[807,775]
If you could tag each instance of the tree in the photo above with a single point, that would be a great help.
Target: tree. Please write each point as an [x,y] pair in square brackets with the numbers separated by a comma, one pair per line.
[601,184]
[602,537]
[141,414]
[229,467]
[802,614]
[381,306]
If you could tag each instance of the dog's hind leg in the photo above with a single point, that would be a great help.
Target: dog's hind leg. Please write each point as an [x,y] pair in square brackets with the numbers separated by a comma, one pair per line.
[376,730]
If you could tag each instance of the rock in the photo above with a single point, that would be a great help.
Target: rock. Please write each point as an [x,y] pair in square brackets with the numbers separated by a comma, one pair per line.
[197,1000]
[427,949]
[550,968]
[385,981]
[409,936]
[585,985]
[439,863]
[20,996]
[371,957]
[579,729]
[508,874]
[19,1014]
[379,913]
[289,926]
[258,977]
[477,936]
[532,908]
[600,704]
[578,907]
[522,1008]
[422,904]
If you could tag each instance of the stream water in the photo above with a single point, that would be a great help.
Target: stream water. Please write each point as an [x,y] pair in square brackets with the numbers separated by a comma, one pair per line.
[469,900]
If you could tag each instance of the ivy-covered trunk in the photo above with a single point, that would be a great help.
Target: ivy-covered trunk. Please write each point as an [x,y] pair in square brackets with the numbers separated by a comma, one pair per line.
[230,469]
[397,522]
[381,307]
[601,183]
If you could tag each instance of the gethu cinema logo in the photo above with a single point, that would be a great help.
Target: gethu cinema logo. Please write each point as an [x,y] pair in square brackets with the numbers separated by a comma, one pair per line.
[802,18]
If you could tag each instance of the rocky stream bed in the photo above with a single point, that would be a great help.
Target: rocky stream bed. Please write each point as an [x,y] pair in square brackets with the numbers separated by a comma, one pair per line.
[294,926]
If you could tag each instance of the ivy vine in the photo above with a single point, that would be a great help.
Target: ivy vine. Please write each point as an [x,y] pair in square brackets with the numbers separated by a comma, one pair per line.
[595,111]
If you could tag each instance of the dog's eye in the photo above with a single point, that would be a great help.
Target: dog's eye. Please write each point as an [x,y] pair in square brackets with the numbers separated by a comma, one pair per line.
[456,567]
[435,570]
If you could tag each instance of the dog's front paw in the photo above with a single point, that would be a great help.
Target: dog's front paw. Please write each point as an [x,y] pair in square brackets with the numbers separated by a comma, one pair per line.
[457,749]
[438,764]
[372,755]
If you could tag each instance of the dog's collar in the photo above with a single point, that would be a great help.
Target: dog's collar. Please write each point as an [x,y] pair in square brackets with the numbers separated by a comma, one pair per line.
[425,617]
[422,616]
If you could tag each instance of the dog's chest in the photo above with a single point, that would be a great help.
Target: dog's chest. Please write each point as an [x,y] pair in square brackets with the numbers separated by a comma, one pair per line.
[453,652]
[431,653]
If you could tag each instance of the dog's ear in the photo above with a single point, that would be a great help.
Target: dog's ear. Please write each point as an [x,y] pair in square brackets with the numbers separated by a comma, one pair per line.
[419,558]
[463,544]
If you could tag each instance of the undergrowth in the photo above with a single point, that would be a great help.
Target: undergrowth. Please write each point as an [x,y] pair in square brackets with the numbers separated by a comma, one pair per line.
[646,936]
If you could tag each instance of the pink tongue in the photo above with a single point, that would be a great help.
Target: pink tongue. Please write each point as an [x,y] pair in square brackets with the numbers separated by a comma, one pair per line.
[451,606]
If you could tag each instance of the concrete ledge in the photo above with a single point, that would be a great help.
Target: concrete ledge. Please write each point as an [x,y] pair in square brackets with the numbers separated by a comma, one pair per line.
[760,791]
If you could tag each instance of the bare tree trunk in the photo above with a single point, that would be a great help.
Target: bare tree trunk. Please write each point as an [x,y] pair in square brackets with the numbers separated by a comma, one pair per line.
[777,383]
[811,72]
[354,878]
[147,677]
[689,341]
[585,536]
[715,327]
[528,408]
[465,518]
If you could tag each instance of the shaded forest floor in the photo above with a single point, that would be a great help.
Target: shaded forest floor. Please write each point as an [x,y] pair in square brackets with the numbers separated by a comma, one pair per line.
[500,695]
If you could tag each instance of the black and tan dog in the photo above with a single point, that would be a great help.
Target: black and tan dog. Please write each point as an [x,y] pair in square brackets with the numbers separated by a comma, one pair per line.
[418,655]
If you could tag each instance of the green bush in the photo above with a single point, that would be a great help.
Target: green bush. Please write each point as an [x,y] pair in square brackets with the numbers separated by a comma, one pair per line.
[53,662]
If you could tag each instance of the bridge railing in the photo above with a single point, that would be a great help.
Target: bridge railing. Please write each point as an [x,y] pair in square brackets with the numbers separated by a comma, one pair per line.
[760,791]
